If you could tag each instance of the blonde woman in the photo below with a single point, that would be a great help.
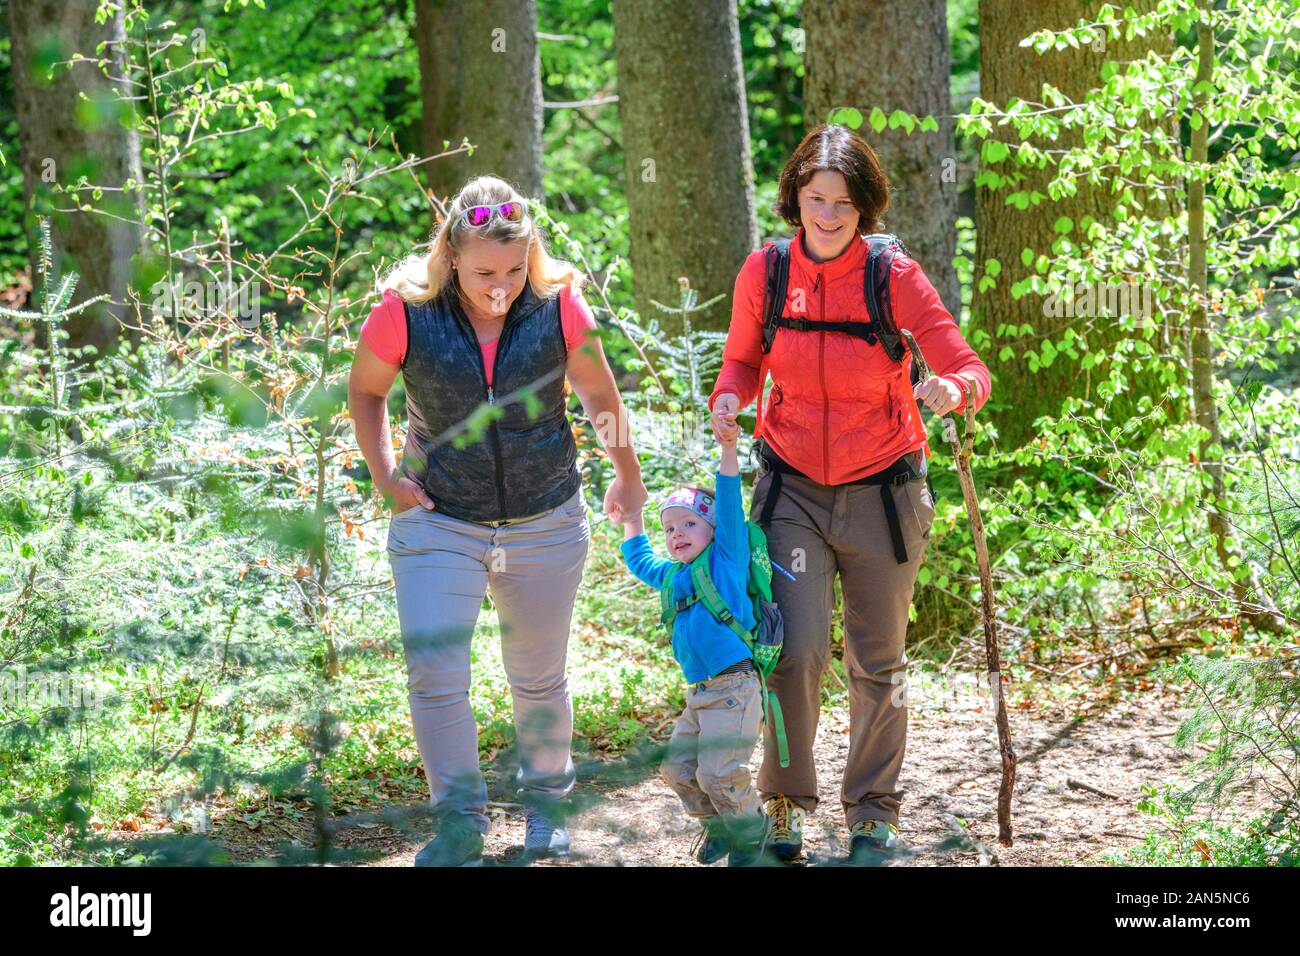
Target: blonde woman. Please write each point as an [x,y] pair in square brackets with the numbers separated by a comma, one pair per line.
[486,314]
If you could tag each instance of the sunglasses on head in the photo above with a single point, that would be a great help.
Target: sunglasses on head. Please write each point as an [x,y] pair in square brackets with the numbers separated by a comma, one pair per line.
[510,211]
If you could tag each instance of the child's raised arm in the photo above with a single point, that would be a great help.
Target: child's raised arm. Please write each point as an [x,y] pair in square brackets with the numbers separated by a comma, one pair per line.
[730,535]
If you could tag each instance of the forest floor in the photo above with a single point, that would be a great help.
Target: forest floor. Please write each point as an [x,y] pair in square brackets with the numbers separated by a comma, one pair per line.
[1112,739]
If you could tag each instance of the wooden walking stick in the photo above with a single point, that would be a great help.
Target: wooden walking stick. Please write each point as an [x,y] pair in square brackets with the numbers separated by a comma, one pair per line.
[961,453]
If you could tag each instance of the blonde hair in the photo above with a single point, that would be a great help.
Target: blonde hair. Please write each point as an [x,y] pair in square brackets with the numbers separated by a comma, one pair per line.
[422,276]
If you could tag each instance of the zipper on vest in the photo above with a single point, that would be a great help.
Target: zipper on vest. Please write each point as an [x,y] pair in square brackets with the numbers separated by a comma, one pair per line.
[496,435]
[491,397]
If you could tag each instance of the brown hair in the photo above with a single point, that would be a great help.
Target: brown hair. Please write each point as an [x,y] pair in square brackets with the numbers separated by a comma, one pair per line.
[835,147]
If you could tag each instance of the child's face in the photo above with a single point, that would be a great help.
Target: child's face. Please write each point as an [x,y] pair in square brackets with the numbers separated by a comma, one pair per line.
[685,533]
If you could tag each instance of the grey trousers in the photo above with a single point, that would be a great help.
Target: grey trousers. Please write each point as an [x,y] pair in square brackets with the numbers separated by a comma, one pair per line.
[442,567]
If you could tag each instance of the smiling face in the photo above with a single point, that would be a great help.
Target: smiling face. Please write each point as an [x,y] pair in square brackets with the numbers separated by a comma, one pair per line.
[685,533]
[829,217]
[491,273]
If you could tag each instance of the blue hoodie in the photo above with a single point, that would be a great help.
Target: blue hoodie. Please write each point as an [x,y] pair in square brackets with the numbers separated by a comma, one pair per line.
[703,646]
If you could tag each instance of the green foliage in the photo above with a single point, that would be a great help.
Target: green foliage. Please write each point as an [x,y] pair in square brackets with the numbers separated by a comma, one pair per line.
[188,529]
[13,251]
[1182,838]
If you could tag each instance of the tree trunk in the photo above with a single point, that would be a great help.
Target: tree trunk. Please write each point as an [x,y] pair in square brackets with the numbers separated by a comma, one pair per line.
[57,148]
[1257,606]
[905,66]
[1009,71]
[480,79]
[690,184]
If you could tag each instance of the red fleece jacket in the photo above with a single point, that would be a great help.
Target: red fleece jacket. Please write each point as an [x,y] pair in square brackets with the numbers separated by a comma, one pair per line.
[839,408]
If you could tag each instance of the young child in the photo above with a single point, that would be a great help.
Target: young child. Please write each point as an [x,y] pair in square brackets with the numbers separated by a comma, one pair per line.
[707,764]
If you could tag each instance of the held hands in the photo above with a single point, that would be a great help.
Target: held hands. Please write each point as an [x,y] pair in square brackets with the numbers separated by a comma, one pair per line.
[940,395]
[727,431]
[723,419]
[625,498]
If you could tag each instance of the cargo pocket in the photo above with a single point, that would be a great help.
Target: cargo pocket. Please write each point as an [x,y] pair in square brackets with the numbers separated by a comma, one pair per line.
[918,493]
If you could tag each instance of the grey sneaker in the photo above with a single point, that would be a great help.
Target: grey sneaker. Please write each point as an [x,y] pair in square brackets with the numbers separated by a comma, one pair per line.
[457,844]
[542,836]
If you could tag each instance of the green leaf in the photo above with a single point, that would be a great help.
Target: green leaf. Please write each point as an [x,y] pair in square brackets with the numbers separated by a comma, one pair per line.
[992,267]
[846,116]
[901,118]
[877,119]
[995,151]
[1064,225]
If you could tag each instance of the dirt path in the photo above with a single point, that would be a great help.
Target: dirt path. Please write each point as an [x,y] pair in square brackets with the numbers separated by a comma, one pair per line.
[951,771]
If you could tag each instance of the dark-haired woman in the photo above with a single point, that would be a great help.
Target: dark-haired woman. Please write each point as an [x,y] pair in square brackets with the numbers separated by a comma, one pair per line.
[844,452]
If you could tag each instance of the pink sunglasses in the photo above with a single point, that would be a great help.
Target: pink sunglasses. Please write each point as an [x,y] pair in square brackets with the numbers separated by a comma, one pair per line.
[510,211]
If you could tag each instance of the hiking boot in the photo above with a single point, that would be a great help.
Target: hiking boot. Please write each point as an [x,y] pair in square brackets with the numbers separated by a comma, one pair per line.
[543,836]
[709,846]
[785,839]
[457,844]
[870,839]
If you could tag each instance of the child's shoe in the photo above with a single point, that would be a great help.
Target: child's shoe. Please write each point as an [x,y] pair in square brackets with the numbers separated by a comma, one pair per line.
[710,846]
[747,837]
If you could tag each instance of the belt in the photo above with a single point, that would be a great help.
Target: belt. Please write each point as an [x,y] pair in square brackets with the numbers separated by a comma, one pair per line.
[740,667]
[902,471]
[506,521]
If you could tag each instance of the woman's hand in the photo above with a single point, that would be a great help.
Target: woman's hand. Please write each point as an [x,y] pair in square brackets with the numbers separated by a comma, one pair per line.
[625,498]
[406,493]
[723,418]
[939,394]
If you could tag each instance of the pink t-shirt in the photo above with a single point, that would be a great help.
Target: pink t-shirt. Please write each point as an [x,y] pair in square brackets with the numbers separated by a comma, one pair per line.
[385,328]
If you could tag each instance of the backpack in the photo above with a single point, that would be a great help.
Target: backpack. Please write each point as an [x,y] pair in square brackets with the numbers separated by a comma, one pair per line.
[767,637]
[880,327]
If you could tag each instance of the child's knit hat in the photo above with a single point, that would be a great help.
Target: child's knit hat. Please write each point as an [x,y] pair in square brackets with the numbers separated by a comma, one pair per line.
[692,500]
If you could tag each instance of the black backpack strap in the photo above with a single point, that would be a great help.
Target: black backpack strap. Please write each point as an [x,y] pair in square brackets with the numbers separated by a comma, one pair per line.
[777,262]
[883,248]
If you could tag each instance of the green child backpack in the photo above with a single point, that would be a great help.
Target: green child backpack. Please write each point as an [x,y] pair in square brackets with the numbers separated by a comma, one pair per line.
[767,637]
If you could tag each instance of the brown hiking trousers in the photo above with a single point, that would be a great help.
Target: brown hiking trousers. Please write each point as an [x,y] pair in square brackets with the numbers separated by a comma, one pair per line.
[815,532]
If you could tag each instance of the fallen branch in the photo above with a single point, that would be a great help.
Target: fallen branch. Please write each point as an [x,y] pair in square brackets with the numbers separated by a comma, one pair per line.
[1080,785]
